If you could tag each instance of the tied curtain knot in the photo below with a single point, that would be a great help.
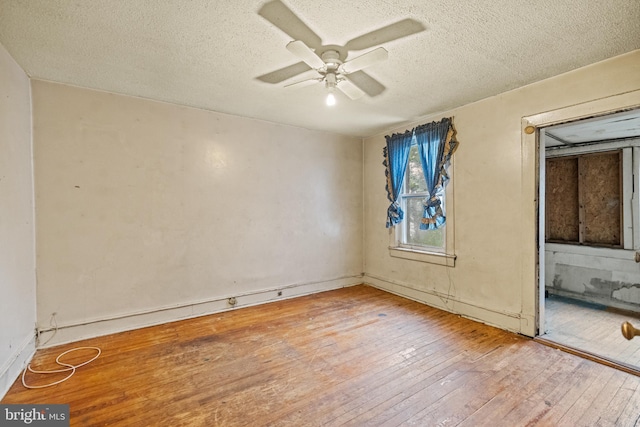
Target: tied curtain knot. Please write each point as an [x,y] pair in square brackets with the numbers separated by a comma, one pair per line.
[394,214]
[433,217]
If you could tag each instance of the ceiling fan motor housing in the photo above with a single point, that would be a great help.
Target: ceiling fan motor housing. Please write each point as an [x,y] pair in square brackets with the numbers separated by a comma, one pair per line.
[332,59]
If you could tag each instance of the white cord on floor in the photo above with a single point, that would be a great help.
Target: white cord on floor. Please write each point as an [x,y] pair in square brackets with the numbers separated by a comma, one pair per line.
[69,367]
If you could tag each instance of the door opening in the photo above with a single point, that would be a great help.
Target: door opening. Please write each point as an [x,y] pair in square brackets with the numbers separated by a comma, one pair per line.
[589,234]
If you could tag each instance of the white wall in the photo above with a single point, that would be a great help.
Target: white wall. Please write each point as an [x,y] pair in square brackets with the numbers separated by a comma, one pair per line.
[148,212]
[494,183]
[17,253]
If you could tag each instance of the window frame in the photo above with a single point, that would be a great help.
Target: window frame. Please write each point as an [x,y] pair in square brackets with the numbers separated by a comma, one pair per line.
[444,255]
[630,183]
[582,194]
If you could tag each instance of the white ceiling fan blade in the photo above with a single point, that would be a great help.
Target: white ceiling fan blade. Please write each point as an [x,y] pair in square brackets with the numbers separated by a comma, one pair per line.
[286,73]
[276,12]
[305,82]
[362,61]
[349,89]
[368,84]
[392,32]
[304,52]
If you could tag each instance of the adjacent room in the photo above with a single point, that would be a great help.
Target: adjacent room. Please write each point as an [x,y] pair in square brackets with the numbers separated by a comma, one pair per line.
[590,224]
[288,212]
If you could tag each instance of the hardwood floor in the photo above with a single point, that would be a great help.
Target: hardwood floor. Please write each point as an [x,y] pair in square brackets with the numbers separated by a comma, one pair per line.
[356,356]
[591,328]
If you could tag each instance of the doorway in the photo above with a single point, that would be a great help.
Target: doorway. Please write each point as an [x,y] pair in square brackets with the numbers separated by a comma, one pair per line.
[589,234]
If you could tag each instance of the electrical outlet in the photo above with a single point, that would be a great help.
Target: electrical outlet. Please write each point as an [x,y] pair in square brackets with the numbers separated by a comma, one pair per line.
[279,293]
[232,301]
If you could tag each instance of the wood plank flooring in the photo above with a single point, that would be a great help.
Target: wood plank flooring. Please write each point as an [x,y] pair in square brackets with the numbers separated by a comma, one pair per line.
[355,356]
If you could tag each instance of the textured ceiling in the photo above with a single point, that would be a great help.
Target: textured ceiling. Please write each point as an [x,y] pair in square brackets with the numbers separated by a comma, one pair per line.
[623,125]
[209,53]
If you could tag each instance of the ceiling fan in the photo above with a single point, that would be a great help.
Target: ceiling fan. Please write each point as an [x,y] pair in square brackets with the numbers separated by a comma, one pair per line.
[332,71]
[330,61]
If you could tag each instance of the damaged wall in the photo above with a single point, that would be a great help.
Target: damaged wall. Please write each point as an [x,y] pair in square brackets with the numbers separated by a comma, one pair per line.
[599,275]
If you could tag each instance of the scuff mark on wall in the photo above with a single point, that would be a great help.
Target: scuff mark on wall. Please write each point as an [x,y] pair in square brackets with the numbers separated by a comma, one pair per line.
[628,294]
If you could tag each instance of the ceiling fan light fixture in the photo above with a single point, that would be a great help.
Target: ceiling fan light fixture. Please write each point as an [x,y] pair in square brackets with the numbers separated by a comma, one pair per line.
[330,83]
[331,99]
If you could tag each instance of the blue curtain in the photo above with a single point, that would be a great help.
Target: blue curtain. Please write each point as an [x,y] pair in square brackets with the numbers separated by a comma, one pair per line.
[436,143]
[396,156]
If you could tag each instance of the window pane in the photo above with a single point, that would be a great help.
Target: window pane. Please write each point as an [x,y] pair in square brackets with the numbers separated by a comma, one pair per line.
[416,182]
[415,236]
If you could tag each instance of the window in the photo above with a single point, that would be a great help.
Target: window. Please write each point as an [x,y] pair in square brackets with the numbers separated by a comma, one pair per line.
[584,199]
[412,196]
[417,171]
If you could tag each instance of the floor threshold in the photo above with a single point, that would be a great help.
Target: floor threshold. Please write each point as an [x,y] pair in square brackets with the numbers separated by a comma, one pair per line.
[630,369]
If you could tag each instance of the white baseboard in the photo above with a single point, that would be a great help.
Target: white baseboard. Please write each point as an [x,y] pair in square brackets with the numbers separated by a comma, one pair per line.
[125,322]
[16,363]
[500,319]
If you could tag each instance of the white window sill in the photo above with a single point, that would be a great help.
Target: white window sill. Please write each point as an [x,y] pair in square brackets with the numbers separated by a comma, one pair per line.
[423,256]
